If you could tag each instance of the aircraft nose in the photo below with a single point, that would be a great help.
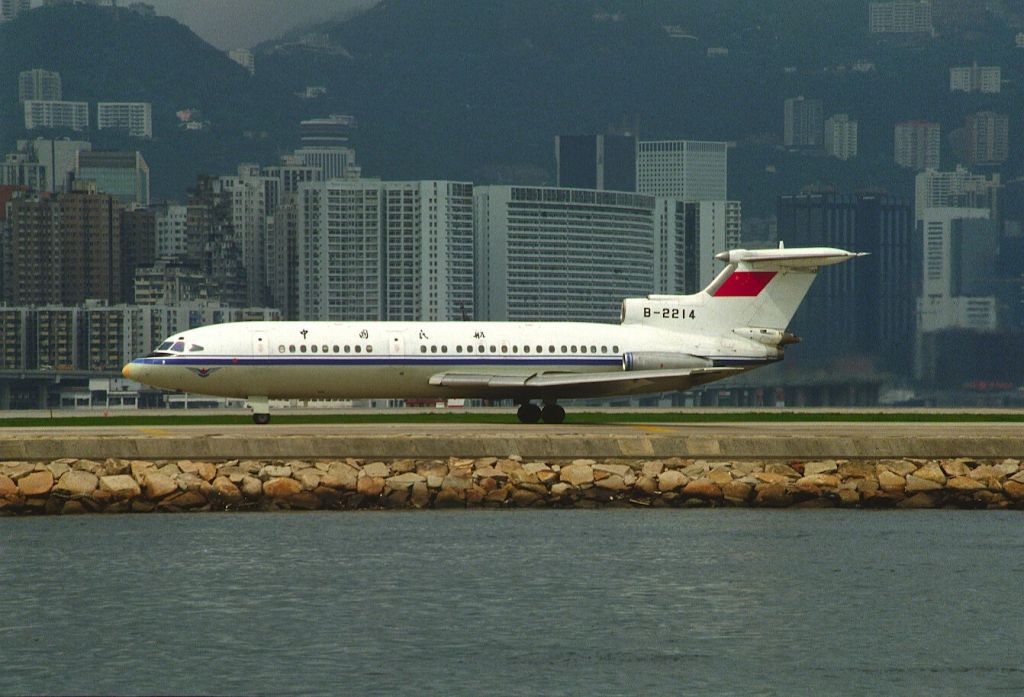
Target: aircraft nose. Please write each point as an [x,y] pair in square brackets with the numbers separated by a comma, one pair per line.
[127,370]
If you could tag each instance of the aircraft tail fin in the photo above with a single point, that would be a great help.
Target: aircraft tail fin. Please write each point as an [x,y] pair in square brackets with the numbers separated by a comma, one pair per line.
[756,295]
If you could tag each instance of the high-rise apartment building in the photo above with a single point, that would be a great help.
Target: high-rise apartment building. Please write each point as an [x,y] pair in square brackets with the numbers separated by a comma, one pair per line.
[988,135]
[561,254]
[373,250]
[900,17]
[917,145]
[986,79]
[957,189]
[802,123]
[90,239]
[138,246]
[252,198]
[56,114]
[841,137]
[123,174]
[171,231]
[34,253]
[133,118]
[40,85]
[687,236]
[604,162]
[244,58]
[689,170]
[861,309]
[9,9]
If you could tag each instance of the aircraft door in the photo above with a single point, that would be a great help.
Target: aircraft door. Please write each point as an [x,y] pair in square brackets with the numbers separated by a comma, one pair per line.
[260,344]
[396,344]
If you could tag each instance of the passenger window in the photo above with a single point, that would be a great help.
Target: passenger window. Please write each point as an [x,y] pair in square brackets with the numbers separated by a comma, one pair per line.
[604,349]
[358,348]
[540,349]
[444,349]
[526,349]
[583,349]
[369,348]
[551,349]
[313,348]
[615,349]
[481,349]
[336,348]
[504,349]
[347,347]
[564,349]
[458,349]
[291,349]
[593,349]
[302,348]
[494,349]
[326,347]
[280,349]
[423,349]
[515,349]
[433,349]
[574,349]
[469,349]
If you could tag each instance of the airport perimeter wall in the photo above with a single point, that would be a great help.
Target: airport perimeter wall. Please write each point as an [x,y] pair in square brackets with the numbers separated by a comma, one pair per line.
[80,485]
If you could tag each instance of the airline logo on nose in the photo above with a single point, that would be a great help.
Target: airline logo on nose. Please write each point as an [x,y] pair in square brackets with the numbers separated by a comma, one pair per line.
[204,372]
[744,284]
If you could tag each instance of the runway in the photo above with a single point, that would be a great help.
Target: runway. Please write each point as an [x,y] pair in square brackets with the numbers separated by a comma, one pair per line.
[590,440]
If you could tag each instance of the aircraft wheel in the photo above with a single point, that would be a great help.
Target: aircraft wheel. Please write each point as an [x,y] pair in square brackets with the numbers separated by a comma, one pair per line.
[261,419]
[552,414]
[529,413]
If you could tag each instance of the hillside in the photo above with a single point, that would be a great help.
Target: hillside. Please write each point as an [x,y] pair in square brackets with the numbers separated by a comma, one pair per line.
[475,89]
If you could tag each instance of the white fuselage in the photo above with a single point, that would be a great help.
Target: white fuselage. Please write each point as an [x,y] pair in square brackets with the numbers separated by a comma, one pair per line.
[311,360]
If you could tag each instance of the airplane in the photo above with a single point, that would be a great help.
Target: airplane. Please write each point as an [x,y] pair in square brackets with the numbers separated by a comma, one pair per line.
[662,343]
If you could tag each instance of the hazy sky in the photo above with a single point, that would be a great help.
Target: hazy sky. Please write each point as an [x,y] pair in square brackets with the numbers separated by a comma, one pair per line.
[244,23]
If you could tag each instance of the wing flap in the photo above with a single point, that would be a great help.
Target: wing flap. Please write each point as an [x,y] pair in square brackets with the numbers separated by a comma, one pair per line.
[584,384]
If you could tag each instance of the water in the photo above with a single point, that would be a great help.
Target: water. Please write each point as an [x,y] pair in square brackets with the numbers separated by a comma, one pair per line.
[515,603]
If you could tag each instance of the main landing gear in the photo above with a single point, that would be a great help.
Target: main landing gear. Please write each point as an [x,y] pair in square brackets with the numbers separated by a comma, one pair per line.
[530,413]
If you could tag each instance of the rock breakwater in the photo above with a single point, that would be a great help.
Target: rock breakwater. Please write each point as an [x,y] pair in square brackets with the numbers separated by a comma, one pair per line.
[69,485]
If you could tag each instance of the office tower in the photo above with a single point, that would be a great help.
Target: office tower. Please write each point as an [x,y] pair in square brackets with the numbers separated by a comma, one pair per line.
[244,58]
[123,174]
[689,170]
[802,123]
[957,189]
[987,138]
[605,162]
[9,9]
[841,137]
[986,79]
[917,145]
[864,308]
[38,84]
[900,17]
[545,253]
[372,250]
[132,118]
[42,164]
[56,114]
[958,249]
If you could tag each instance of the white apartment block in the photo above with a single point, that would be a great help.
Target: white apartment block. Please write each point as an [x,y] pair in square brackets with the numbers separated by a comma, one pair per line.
[988,138]
[244,58]
[546,253]
[134,118]
[687,236]
[373,250]
[986,79]
[841,137]
[40,85]
[959,188]
[917,145]
[254,198]
[171,231]
[947,246]
[689,170]
[9,9]
[56,114]
[900,17]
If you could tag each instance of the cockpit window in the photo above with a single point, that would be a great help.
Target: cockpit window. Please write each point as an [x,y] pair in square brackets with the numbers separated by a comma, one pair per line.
[165,346]
[195,348]
[178,346]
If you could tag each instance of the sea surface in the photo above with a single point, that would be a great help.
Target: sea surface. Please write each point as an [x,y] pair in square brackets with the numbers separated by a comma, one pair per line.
[647,602]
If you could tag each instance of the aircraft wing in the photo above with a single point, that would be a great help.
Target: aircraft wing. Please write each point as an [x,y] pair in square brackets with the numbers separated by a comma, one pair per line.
[568,385]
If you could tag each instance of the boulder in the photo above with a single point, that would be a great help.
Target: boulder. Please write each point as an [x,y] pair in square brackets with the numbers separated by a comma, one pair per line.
[17,470]
[916,484]
[450,498]
[184,500]
[157,485]
[171,470]
[720,476]
[856,469]
[776,477]
[703,489]
[340,476]
[560,489]
[584,462]
[72,507]
[578,473]
[1009,467]
[670,480]
[58,468]
[956,468]
[613,482]
[900,467]
[377,469]
[225,490]
[281,488]
[985,473]
[737,491]
[820,467]
[652,468]
[368,486]
[780,468]
[274,472]
[508,465]
[964,484]
[890,481]
[849,497]
[76,483]
[8,489]
[773,496]
[644,483]
[524,498]
[521,476]
[621,470]
[113,466]
[36,484]
[402,466]
[488,473]
[921,499]
[122,486]
[308,478]
[252,487]
[1014,490]
[420,496]
[454,482]
[932,472]
[818,481]
[404,481]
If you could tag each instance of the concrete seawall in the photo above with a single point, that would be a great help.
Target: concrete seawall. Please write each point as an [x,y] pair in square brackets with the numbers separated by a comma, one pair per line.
[70,485]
